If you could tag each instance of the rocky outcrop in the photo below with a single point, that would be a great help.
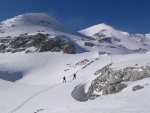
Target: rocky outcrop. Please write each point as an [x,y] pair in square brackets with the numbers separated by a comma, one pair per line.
[110,81]
[140,50]
[69,48]
[102,53]
[114,88]
[105,39]
[138,87]
[116,39]
[88,44]
[41,42]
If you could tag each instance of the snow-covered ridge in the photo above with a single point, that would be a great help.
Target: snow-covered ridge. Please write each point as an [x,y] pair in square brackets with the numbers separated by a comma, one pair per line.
[119,38]
[33,22]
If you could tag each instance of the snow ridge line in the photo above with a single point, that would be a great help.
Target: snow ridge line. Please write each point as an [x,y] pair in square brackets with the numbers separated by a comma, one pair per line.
[32,97]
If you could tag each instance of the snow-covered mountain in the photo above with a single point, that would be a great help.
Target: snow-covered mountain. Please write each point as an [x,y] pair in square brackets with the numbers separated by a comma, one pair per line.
[32,22]
[112,68]
[23,28]
[134,42]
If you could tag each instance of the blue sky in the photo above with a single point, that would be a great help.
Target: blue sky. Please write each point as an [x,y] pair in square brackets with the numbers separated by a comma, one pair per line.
[127,15]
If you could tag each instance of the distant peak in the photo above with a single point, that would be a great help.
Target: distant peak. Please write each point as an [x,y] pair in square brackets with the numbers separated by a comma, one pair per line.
[103,25]
[97,28]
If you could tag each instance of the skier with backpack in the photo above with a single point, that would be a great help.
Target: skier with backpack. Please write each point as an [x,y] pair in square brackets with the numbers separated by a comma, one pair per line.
[74,76]
[64,79]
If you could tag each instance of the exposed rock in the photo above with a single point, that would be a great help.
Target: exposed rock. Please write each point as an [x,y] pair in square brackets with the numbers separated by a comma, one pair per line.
[88,44]
[110,81]
[116,39]
[104,69]
[140,50]
[102,52]
[111,89]
[42,43]
[99,36]
[87,64]
[56,49]
[119,87]
[138,87]
[83,62]
[2,47]
[106,39]
[69,48]
[110,46]
[4,40]
[36,40]
[28,51]
[18,42]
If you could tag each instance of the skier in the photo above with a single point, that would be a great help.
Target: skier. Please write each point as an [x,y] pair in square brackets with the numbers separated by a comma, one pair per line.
[74,76]
[64,79]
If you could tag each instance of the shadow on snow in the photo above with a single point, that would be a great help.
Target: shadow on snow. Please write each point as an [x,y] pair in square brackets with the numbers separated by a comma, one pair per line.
[78,93]
[10,76]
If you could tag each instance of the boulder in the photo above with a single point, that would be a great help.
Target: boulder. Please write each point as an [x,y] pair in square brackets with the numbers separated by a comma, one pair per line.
[101,53]
[138,87]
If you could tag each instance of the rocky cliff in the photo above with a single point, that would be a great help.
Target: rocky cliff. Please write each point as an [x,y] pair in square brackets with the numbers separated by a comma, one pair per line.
[109,81]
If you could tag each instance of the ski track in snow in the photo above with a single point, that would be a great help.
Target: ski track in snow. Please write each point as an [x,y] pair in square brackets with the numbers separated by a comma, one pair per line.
[13,111]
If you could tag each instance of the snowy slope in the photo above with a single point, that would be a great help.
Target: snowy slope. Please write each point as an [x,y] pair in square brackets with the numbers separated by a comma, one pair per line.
[50,94]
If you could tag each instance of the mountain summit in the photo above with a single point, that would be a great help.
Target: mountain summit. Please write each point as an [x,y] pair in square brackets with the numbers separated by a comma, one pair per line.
[33,22]
[96,28]
[103,29]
